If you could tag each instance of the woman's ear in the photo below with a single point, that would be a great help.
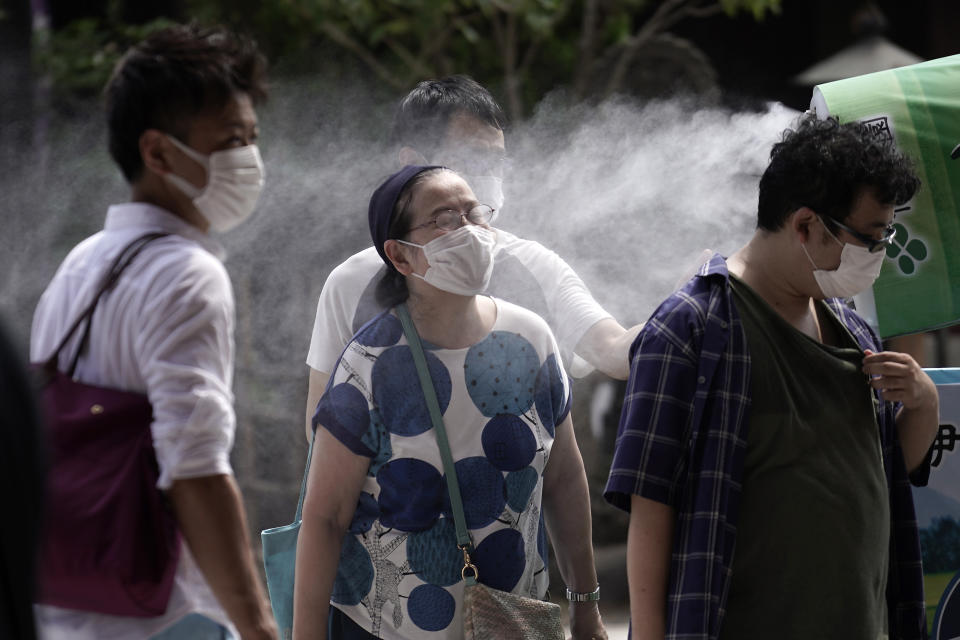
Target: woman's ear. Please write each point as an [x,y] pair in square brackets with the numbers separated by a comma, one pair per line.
[397,254]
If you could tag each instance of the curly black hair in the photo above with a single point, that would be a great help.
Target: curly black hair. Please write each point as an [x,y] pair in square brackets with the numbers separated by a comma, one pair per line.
[826,166]
[173,75]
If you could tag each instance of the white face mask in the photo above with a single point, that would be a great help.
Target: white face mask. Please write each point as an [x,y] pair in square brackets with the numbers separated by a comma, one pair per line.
[460,261]
[234,181]
[857,272]
[488,190]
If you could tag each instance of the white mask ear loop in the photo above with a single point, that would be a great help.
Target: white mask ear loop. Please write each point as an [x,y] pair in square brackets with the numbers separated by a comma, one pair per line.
[418,246]
[830,233]
[806,253]
[186,187]
[803,245]
[191,153]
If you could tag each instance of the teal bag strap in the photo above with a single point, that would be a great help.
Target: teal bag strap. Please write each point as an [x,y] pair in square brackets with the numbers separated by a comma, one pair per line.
[306,472]
[453,485]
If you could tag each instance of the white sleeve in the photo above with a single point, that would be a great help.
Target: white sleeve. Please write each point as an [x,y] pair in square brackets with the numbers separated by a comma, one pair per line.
[339,299]
[572,308]
[185,353]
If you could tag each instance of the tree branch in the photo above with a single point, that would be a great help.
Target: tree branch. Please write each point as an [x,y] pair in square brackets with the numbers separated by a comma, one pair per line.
[437,43]
[512,88]
[531,53]
[337,35]
[696,9]
[705,12]
[586,47]
[416,65]
[498,37]
[667,15]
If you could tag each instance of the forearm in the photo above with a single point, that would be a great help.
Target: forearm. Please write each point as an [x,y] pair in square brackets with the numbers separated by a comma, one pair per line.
[567,518]
[607,346]
[334,483]
[212,519]
[649,543]
[566,511]
[916,429]
[318,554]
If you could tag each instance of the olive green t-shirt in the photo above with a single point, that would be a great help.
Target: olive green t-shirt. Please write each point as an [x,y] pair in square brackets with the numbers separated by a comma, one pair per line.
[811,552]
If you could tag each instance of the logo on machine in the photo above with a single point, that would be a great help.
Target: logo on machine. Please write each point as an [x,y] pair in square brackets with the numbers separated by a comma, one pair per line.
[906,250]
[880,126]
[945,441]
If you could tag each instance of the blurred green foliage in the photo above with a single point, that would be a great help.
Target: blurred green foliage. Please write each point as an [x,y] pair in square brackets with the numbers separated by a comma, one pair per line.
[520,48]
[80,57]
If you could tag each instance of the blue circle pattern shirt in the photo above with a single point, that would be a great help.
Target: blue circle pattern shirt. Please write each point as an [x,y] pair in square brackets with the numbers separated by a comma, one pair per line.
[399,570]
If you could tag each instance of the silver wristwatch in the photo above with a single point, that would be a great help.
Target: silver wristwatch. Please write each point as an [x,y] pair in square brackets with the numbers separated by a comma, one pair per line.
[591,596]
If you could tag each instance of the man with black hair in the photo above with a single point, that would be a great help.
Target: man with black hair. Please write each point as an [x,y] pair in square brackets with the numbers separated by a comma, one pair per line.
[455,122]
[767,443]
[182,129]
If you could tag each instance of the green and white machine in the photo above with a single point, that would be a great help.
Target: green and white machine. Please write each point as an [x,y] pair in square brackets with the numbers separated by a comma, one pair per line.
[918,107]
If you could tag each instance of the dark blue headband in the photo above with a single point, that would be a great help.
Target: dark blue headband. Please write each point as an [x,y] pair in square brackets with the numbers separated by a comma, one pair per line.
[384,201]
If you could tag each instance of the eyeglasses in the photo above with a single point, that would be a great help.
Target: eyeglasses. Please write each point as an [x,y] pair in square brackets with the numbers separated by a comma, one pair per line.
[449,220]
[872,244]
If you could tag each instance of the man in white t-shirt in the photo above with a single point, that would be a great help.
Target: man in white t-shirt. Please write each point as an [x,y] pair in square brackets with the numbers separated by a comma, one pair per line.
[455,122]
[182,126]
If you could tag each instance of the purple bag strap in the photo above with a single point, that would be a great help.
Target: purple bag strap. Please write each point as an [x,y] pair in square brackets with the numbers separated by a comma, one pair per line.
[119,264]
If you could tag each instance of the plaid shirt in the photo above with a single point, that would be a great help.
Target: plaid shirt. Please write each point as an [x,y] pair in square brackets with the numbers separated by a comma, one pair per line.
[682,441]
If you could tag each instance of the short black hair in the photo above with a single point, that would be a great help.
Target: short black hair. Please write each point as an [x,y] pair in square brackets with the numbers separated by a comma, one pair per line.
[826,166]
[422,117]
[173,75]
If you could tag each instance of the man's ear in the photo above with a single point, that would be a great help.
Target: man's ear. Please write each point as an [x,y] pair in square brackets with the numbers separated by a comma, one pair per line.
[800,223]
[409,155]
[396,254]
[153,148]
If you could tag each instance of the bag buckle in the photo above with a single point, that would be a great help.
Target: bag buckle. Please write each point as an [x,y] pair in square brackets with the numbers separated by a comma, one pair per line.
[467,565]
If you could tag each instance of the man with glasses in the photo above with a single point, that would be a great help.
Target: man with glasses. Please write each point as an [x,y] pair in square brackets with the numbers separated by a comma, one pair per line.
[455,122]
[767,442]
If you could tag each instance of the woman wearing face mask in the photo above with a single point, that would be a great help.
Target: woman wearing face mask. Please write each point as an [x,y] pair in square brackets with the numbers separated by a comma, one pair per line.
[377,554]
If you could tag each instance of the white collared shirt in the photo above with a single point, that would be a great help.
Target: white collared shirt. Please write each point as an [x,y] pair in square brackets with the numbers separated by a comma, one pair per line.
[165,329]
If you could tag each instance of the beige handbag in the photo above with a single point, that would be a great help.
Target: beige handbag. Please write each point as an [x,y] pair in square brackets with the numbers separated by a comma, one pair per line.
[488,614]
[491,613]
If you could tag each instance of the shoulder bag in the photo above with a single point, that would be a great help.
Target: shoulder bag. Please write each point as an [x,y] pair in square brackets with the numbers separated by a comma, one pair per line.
[110,542]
